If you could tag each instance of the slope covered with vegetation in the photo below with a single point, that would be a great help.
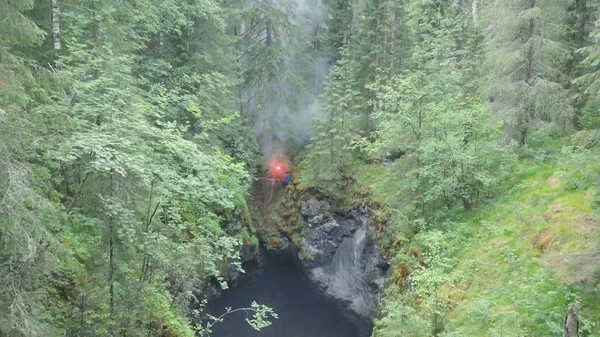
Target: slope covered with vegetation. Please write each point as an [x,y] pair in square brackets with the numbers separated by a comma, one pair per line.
[475,124]
[132,132]
[509,266]
[124,154]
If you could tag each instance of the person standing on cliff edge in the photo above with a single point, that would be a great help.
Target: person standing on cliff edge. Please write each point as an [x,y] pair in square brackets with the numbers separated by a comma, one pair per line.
[287,178]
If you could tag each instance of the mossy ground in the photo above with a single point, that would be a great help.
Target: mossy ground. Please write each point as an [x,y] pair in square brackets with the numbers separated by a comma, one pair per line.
[277,214]
[528,253]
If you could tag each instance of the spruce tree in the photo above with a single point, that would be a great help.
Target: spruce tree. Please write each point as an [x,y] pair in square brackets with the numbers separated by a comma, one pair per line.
[525,60]
[441,131]
[28,250]
[376,44]
[587,84]
[329,153]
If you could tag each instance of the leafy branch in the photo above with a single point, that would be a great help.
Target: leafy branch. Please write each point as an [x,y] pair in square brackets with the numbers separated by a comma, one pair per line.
[259,320]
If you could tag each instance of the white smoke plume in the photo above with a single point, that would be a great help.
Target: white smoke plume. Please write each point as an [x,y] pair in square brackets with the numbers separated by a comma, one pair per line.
[287,117]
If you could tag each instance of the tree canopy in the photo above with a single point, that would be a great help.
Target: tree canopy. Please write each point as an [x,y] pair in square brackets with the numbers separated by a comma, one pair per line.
[132,132]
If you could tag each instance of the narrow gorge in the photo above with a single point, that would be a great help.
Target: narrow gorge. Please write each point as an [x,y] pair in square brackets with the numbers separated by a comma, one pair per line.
[326,284]
[301,168]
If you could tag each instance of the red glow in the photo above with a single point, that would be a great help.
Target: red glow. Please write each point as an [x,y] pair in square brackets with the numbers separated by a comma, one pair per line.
[277,169]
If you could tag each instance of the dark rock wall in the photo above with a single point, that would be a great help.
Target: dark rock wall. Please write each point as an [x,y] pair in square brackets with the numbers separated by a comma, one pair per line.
[338,257]
[341,258]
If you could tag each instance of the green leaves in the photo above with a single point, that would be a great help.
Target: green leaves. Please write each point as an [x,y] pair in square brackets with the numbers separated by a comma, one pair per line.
[524,65]
[330,150]
[444,133]
[261,318]
[135,155]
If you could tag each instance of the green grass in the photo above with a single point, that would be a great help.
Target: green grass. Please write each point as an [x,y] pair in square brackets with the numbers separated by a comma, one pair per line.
[521,257]
[514,260]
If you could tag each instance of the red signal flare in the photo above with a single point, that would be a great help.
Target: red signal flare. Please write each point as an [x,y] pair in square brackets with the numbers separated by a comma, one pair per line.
[277,169]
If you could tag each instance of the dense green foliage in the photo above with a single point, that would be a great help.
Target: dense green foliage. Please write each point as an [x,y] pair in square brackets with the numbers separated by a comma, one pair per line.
[484,115]
[333,139]
[130,132]
[121,158]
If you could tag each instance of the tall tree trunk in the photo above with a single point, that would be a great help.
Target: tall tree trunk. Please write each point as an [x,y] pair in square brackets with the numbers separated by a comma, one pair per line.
[530,49]
[342,133]
[331,123]
[530,106]
[459,36]
[82,315]
[354,15]
[474,9]
[388,27]
[56,26]
[392,39]
[94,33]
[523,139]
[580,23]
[111,273]
[111,279]
[269,33]
[239,33]
[94,22]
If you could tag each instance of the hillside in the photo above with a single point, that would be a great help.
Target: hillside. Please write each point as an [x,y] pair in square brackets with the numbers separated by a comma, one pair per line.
[510,266]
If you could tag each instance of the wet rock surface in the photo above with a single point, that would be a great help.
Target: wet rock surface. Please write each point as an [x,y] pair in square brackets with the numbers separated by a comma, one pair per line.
[344,263]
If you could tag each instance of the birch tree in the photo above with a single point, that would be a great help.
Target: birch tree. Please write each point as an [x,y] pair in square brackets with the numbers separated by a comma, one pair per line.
[56,26]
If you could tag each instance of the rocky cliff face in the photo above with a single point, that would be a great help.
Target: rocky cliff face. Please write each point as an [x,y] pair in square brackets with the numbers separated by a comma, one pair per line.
[338,255]
[342,260]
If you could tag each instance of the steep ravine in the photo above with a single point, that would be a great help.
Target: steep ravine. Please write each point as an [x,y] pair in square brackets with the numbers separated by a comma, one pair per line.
[341,258]
[326,285]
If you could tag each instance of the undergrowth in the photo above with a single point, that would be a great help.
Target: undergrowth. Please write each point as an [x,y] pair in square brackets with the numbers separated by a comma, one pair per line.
[507,267]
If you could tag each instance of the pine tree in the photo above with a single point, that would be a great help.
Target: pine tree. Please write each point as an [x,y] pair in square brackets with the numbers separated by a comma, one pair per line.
[424,114]
[329,153]
[28,250]
[18,32]
[587,84]
[131,173]
[374,49]
[338,23]
[525,64]
[579,22]
[265,30]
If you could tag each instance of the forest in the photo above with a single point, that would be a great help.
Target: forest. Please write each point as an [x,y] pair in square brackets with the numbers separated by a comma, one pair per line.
[134,133]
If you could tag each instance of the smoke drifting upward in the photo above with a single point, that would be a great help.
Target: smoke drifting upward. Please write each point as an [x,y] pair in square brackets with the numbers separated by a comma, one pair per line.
[309,105]
[286,102]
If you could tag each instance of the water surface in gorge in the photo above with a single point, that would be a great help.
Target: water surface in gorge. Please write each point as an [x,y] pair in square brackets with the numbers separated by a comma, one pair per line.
[302,312]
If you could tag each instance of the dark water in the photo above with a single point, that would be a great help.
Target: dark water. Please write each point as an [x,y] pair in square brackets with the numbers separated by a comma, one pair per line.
[302,313]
